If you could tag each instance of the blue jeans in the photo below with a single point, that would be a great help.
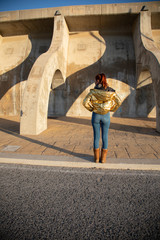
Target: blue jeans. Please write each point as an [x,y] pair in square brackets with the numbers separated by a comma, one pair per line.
[100,122]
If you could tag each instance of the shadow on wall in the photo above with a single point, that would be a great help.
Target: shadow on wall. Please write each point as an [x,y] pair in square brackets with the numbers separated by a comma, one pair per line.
[117,62]
[141,106]
[63,97]
[12,83]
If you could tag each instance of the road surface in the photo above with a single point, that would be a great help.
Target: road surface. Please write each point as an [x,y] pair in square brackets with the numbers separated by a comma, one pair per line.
[39,202]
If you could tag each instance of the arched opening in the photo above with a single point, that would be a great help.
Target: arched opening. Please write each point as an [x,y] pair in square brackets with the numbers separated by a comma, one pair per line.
[57,79]
[145,101]
[55,108]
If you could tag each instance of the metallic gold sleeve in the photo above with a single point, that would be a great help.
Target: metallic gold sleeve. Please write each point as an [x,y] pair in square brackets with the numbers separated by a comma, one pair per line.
[116,103]
[87,102]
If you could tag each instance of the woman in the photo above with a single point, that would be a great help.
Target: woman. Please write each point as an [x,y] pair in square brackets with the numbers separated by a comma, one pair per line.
[101,100]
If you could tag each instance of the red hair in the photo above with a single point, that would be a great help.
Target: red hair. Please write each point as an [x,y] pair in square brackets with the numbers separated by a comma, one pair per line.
[101,78]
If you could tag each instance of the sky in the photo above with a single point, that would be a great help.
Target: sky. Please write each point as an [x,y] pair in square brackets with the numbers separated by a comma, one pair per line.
[12,5]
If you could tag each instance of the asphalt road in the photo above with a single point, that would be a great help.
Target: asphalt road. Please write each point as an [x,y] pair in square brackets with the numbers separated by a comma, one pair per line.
[61,203]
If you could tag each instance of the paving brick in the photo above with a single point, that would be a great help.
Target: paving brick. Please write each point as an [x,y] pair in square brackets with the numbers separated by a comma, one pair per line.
[28,148]
[147,148]
[143,156]
[49,151]
[156,147]
[111,154]
[120,151]
[134,149]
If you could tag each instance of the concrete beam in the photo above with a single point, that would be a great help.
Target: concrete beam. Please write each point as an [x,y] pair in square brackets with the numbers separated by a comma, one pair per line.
[78,18]
[82,10]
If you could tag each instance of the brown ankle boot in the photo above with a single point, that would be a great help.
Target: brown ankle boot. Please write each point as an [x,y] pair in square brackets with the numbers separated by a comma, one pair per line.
[103,155]
[96,155]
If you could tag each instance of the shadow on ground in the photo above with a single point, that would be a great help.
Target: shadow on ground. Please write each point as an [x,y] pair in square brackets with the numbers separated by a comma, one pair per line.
[12,128]
[118,126]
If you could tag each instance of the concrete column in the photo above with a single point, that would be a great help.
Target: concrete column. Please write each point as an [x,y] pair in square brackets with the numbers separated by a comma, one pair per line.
[36,94]
[148,55]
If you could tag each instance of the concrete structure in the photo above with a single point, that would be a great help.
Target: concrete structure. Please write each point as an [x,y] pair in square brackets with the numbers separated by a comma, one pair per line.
[49,58]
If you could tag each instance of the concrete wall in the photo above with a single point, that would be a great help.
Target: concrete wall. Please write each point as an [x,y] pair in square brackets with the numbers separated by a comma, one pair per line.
[100,38]
[90,53]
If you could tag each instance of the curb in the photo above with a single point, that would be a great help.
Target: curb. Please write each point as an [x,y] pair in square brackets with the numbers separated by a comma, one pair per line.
[79,164]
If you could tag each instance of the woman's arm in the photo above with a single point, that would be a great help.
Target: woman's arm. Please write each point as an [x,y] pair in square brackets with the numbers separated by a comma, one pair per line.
[117,102]
[87,102]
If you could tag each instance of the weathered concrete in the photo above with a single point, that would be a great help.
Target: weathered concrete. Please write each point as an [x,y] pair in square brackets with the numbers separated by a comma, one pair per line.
[36,94]
[51,75]
[73,11]
[148,57]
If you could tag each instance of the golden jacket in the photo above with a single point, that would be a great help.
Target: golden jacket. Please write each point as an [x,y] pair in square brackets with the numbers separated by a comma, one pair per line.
[101,101]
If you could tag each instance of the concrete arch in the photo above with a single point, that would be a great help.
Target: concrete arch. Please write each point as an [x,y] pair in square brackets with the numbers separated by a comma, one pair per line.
[57,81]
[48,65]
[147,55]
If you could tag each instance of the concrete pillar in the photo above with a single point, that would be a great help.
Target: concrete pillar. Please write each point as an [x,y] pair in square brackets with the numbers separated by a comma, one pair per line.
[36,94]
[148,55]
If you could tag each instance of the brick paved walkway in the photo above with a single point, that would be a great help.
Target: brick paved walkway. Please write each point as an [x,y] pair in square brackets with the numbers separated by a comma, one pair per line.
[128,138]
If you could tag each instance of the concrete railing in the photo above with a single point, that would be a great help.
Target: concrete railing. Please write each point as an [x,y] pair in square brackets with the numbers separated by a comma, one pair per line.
[81,10]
